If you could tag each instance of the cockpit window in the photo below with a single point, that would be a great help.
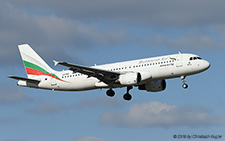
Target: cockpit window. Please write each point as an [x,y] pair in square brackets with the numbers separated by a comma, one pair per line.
[195,58]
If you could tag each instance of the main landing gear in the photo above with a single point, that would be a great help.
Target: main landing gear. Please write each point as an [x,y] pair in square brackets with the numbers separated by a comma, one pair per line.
[110,92]
[126,96]
[185,86]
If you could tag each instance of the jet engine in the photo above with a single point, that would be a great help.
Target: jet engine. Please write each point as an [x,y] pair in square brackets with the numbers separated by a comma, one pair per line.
[154,86]
[130,78]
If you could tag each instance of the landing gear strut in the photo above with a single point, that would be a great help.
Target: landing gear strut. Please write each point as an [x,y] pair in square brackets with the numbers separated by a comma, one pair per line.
[127,96]
[185,86]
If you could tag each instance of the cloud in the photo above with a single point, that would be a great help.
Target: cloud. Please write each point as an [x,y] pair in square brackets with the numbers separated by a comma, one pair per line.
[47,108]
[12,95]
[14,140]
[49,34]
[159,13]
[65,29]
[44,108]
[89,138]
[7,120]
[186,41]
[99,102]
[157,114]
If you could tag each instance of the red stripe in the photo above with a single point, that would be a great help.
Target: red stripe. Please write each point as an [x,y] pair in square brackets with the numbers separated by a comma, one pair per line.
[31,71]
[34,72]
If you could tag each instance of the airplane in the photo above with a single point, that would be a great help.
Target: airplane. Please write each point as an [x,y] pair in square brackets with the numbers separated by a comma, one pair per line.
[148,74]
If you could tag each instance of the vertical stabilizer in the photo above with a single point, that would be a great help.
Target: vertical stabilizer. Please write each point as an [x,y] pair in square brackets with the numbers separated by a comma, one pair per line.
[33,63]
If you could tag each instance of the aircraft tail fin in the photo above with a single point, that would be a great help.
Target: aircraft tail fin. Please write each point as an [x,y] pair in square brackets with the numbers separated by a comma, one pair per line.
[33,63]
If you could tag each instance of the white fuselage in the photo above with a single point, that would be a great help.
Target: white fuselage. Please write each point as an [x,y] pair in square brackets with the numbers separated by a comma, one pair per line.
[157,68]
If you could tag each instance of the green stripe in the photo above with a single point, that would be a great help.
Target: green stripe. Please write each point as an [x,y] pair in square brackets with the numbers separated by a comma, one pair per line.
[33,66]
[173,58]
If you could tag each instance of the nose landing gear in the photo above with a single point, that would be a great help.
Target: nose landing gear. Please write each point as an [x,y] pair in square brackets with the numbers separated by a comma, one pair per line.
[185,86]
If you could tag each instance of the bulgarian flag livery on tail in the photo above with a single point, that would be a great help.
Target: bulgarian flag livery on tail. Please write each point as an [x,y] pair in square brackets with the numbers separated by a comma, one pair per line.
[33,69]
[34,64]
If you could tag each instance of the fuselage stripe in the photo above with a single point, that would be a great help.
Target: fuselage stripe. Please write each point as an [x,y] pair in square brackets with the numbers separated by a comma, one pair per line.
[33,69]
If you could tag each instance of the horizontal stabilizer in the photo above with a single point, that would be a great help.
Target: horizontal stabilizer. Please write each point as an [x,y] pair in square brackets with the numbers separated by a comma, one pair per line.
[24,79]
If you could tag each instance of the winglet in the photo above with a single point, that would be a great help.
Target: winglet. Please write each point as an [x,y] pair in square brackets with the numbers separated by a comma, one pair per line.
[55,62]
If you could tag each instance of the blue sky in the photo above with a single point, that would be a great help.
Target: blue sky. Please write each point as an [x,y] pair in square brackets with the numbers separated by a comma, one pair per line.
[97,32]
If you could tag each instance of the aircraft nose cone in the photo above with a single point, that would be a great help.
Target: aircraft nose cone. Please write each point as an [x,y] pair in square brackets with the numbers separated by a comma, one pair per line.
[206,65]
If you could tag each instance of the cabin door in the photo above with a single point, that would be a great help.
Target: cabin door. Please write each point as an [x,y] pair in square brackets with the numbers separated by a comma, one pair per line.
[179,62]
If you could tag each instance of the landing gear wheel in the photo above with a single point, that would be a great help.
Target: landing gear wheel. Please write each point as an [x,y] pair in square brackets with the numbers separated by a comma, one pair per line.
[185,86]
[127,96]
[110,93]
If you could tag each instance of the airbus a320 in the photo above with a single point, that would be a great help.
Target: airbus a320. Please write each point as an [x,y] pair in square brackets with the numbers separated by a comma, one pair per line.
[147,74]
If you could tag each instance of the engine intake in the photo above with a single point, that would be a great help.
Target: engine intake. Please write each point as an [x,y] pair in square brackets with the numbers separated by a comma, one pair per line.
[154,86]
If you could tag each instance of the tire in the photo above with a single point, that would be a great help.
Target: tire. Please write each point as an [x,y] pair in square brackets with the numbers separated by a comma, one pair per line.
[127,97]
[110,93]
[185,86]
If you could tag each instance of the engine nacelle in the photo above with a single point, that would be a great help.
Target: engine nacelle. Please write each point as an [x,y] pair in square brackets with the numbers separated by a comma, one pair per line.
[130,78]
[154,86]
[145,76]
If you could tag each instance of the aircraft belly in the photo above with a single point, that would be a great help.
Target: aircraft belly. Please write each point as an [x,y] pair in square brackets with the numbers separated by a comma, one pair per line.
[85,84]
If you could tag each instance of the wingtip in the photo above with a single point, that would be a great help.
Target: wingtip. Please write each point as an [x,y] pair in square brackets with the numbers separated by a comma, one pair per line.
[55,62]
[10,76]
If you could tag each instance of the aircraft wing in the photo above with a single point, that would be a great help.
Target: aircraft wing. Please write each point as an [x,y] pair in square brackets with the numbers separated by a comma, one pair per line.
[105,76]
